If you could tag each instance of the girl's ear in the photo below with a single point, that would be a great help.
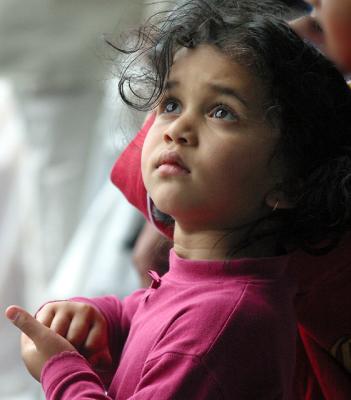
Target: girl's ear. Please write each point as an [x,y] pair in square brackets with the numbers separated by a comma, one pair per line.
[276,200]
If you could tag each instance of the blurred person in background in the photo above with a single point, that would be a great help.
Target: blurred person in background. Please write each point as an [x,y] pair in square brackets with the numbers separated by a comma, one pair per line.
[328,26]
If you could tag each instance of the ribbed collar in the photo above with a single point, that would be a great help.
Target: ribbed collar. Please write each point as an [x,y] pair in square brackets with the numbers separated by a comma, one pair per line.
[182,269]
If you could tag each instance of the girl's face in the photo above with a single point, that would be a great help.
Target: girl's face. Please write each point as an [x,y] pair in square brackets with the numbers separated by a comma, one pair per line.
[207,159]
[334,16]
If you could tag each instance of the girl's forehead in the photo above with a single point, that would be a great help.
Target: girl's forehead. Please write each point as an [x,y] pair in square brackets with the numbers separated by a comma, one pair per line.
[206,66]
[212,62]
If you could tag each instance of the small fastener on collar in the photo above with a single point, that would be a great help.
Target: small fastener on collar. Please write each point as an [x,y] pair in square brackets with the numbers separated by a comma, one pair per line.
[156,280]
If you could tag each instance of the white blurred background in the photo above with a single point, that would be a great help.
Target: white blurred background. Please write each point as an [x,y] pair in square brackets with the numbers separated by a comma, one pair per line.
[64,229]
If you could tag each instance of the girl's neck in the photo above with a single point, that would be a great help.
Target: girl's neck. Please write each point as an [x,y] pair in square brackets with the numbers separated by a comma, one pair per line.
[218,245]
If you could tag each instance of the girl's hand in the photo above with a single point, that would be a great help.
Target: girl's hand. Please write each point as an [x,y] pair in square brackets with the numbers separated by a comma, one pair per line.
[83,326]
[39,343]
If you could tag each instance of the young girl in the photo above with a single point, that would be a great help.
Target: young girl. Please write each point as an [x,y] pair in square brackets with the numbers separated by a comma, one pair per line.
[323,301]
[249,155]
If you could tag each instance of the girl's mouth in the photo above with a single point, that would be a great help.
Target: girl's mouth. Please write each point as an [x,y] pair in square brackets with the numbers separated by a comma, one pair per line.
[171,158]
[172,162]
[171,169]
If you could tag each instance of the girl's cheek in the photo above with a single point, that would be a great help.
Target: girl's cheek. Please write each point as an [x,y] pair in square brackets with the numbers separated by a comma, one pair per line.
[149,146]
[145,156]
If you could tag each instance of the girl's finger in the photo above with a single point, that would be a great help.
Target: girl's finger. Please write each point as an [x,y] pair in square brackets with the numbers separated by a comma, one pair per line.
[61,323]
[96,346]
[78,331]
[96,338]
[45,316]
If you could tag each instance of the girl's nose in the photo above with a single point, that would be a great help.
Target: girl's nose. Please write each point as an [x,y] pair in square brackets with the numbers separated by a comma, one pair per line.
[181,131]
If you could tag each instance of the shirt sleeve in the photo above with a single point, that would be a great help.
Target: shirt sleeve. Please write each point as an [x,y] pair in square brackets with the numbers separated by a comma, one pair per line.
[177,376]
[68,375]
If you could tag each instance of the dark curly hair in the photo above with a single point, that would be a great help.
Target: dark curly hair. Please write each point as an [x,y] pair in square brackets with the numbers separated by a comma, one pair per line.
[308,100]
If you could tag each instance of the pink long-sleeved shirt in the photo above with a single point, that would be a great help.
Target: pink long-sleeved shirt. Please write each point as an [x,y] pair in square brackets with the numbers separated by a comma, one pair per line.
[205,330]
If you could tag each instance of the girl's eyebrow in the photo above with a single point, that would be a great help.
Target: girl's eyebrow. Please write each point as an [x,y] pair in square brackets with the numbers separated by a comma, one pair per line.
[171,84]
[228,91]
[220,89]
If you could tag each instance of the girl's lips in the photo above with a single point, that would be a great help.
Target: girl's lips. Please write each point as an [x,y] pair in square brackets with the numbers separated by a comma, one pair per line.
[171,162]
[171,170]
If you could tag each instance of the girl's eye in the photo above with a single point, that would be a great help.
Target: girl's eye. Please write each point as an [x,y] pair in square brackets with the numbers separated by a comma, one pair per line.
[222,112]
[170,106]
